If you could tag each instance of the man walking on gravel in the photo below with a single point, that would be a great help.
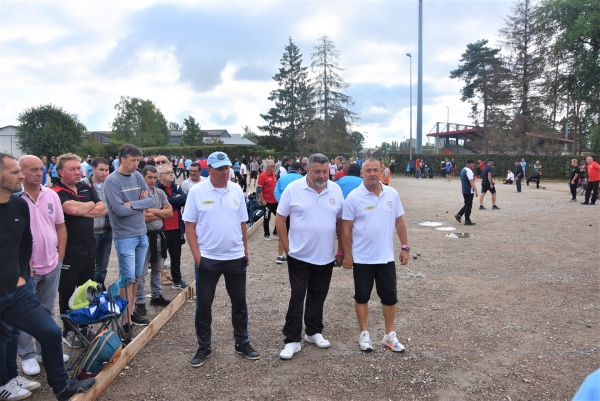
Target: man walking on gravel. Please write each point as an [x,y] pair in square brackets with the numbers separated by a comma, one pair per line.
[374,208]
[314,205]
[215,218]
[488,184]
[468,190]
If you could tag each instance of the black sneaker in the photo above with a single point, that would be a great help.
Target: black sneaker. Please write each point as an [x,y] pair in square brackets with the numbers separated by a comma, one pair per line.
[247,351]
[127,332]
[495,207]
[76,387]
[137,320]
[585,203]
[469,223]
[140,309]
[159,301]
[457,217]
[73,340]
[179,285]
[481,207]
[200,357]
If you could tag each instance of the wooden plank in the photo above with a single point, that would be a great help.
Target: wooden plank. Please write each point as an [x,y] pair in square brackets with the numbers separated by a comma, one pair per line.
[105,378]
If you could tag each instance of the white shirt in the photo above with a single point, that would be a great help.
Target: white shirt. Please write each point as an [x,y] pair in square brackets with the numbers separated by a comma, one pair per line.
[243,169]
[282,171]
[313,218]
[510,176]
[231,174]
[83,167]
[374,223]
[332,169]
[218,217]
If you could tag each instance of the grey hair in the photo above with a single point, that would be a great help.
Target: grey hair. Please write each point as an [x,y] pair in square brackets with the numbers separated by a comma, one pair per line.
[269,162]
[317,158]
[574,160]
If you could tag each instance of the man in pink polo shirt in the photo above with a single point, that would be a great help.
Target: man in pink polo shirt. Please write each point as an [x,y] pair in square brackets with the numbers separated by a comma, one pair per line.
[49,242]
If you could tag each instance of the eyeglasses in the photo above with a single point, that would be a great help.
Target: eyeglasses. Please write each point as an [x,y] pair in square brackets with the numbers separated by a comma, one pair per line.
[168,172]
[161,161]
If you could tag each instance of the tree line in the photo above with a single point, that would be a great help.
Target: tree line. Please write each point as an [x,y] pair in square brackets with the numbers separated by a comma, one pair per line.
[544,75]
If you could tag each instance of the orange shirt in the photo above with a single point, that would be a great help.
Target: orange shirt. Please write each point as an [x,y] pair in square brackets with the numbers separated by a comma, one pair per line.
[593,171]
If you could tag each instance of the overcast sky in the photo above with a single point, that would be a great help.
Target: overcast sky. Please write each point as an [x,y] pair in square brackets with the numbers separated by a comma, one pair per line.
[214,60]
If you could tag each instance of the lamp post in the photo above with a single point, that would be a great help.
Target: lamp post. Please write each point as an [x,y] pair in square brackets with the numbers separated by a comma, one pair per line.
[410,140]
[448,119]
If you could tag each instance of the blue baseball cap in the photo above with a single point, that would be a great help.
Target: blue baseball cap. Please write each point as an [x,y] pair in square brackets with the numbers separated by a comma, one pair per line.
[218,159]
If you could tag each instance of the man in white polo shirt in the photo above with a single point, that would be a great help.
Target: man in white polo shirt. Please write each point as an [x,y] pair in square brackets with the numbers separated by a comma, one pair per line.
[314,205]
[372,212]
[215,218]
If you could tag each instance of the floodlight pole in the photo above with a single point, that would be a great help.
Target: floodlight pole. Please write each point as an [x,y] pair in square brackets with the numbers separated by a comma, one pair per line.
[410,140]
[420,83]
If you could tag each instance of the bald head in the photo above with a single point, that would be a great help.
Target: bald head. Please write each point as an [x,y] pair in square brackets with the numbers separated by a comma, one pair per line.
[33,170]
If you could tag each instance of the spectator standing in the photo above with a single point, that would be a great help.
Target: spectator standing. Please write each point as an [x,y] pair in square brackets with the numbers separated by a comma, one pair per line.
[283,169]
[53,172]
[519,174]
[84,169]
[115,165]
[314,205]
[254,171]
[343,172]
[81,205]
[128,196]
[332,169]
[243,175]
[49,241]
[385,175]
[173,226]
[448,171]
[193,179]
[371,209]
[236,170]
[215,217]
[350,181]
[593,181]
[488,184]
[468,187]
[294,173]
[45,174]
[187,164]
[418,168]
[203,162]
[523,164]
[574,180]
[266,197]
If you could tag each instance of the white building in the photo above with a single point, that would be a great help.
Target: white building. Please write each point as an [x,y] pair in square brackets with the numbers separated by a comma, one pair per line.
[9,141]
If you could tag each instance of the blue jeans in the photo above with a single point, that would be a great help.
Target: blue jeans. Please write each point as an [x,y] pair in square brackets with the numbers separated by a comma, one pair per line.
[21,310]
[131,252]
[104,245]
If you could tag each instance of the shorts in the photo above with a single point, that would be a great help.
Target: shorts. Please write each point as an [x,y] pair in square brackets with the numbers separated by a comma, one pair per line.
[131,253]
[383,275]
[486,187]
[253,174]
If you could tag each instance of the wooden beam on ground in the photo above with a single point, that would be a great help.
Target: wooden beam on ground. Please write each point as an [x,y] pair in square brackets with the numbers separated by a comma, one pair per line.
[106,377]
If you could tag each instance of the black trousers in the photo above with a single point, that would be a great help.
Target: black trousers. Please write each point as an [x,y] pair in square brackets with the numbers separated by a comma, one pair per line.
[466,209]
[592,189]
[310,281]
[173,241]
[78,267]
[518,183]
[207,277]
[243,182]
[270,209]
[573,188]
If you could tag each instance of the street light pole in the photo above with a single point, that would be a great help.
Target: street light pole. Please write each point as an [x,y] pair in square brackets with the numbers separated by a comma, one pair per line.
[448,120]
[410,140]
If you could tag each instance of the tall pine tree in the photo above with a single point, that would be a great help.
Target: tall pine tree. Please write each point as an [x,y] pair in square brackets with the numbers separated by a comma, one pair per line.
[293,111]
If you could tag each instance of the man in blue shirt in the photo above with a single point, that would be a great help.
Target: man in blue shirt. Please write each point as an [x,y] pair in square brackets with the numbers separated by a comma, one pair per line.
[351,180]
[187,163]
[53,172]
[294,173]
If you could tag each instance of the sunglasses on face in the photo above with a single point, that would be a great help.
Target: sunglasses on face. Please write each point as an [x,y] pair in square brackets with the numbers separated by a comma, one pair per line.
[161,161]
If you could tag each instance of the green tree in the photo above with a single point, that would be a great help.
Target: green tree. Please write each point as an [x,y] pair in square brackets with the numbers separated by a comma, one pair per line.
[293,110]
[140,123]
[357,140]
[173,126]
[248,133]
[485,84]
[49,130]
[193,134]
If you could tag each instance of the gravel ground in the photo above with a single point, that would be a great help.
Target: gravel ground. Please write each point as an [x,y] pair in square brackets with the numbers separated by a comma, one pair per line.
[511,313]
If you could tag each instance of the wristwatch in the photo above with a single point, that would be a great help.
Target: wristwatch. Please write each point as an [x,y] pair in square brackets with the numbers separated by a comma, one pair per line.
[405,248]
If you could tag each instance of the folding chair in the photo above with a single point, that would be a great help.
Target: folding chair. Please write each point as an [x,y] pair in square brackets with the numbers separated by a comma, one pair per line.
[113,319]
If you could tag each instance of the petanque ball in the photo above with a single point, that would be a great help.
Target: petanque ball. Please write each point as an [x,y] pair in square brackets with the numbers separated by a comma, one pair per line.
[414,257]
[418,253]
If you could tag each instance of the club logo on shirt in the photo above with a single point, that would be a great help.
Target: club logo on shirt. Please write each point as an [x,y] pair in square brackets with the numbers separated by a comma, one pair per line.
[50,208]
[208,202]
[332,201]
[236,203]
[390,204]
[370,208]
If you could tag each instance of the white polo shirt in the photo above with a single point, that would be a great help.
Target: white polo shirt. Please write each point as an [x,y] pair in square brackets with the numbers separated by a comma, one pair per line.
[218,214]
[374,220]
[312,220]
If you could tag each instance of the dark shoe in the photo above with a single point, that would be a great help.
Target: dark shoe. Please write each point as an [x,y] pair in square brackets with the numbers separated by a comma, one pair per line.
[200,357]
[127,332]
[73,340]
[247,351]
[457,217]
[481,207]
[159,301]
[495,207]
[179,285]
[140,309]
[137,320]
[585,203]
[469,223]
[76,387]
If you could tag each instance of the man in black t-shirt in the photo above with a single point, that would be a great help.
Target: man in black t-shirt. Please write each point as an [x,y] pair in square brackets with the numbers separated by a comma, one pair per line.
[574,180]
[488,184]
[80,205]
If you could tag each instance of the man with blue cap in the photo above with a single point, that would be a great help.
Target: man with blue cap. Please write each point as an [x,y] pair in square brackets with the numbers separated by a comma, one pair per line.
[215,218]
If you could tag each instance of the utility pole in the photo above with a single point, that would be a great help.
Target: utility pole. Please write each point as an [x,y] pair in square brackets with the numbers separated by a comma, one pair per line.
[420,83]
[410,140]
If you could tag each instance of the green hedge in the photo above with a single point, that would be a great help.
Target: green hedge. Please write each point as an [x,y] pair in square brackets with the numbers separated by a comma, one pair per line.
[557,167]
[188,151]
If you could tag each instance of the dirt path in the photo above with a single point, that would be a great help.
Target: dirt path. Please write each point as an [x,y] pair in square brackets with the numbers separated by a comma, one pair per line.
[509,314]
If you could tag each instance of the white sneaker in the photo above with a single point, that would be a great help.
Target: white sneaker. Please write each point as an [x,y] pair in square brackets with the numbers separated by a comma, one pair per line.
[318,340]
[30,367]
[26,384]
[13,392]
[167,263]
[390,340]
[39,359]
[289,350]
[364,340]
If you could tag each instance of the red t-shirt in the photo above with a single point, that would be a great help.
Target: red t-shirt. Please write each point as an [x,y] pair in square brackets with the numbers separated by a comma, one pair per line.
[172,223]
[418,163]
[268,182]
[339,175]
[593,172]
